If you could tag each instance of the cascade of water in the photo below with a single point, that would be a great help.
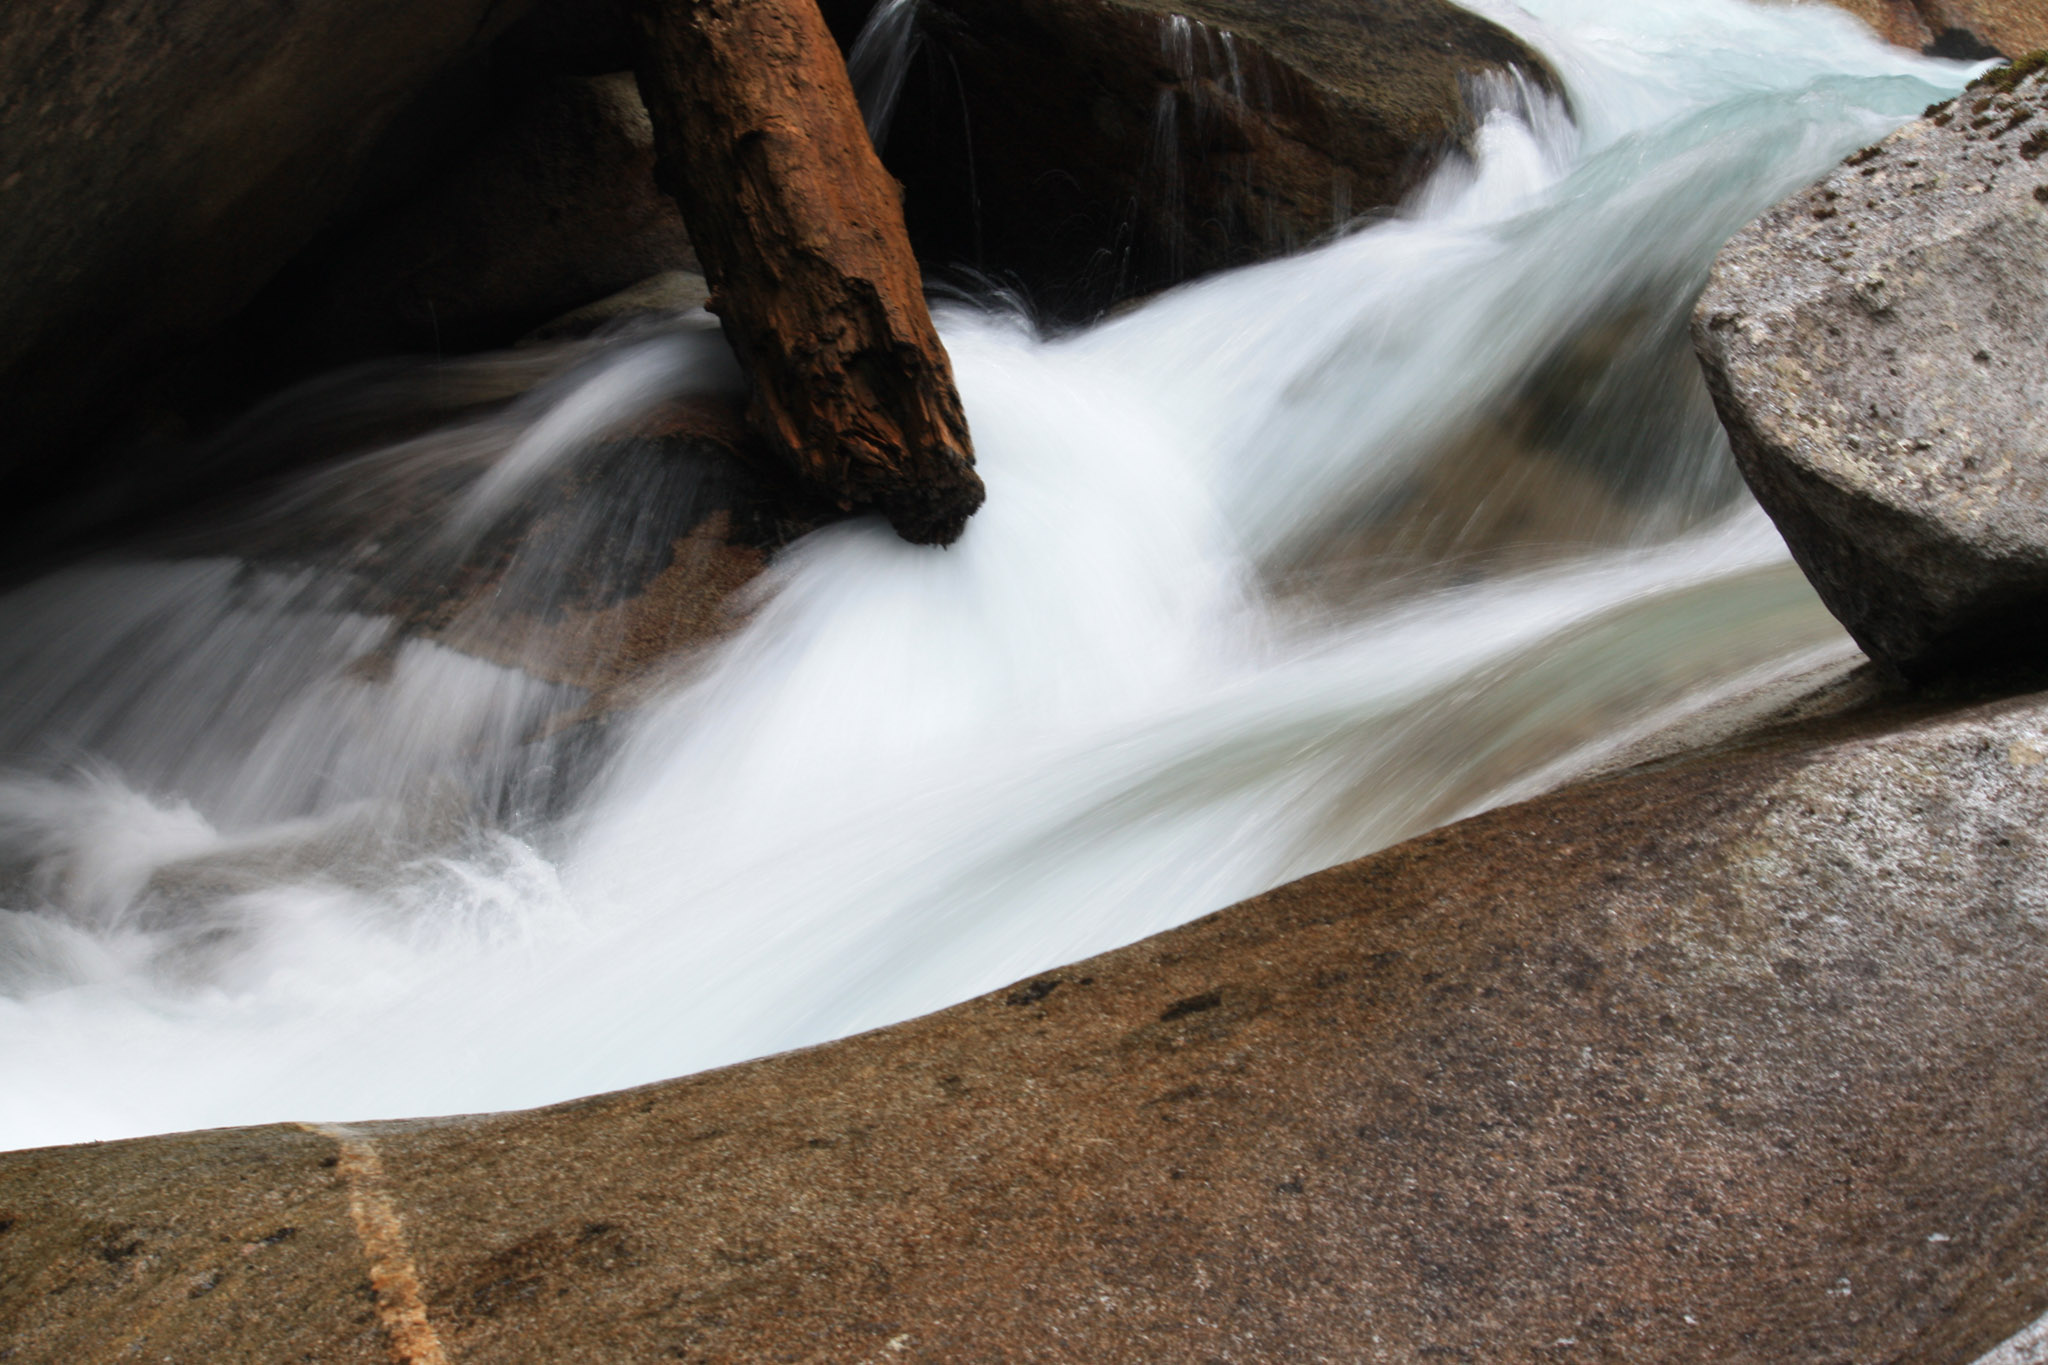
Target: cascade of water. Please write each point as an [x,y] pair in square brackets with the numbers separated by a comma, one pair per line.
[1277,569]
[880,61]
[630,385]
[1199,52]
[1212,80]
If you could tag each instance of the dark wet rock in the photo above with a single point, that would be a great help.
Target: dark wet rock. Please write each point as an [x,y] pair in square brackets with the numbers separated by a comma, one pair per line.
[160,161]
[1962,29]
[1552,469]
[1097,151]
[1874,347]
[1736,1059]
[569,37]
[846,18]
[670,295]
[554,207]
[603,576]
[649,580]
[611,567]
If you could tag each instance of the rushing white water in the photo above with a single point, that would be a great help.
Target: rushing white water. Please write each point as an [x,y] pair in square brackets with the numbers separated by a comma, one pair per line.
[1274,570]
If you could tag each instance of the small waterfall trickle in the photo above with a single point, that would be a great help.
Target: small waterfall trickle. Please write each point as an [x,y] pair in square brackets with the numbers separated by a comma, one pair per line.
[880,62]
[1200,52]
[1215,81]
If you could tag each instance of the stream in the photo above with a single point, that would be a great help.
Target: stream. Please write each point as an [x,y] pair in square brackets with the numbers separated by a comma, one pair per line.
[1276,569]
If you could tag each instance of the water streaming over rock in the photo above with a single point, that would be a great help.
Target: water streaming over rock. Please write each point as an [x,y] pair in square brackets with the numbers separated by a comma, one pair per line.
[1276,569]
[879,61]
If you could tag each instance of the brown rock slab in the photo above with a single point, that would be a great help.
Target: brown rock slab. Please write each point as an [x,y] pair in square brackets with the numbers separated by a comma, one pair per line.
[1874,347]
[1957,28]
[201,1247]
[1737,1059]
[1095,150]
[2010,28]
[1896,21]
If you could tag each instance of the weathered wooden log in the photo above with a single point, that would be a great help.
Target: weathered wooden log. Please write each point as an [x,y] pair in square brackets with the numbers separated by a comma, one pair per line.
[760,140]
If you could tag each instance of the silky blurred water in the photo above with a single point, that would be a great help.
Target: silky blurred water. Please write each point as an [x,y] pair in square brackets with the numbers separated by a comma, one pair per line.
[1275,570]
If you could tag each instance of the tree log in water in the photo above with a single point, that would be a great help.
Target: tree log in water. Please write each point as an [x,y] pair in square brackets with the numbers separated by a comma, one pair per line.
[759,138]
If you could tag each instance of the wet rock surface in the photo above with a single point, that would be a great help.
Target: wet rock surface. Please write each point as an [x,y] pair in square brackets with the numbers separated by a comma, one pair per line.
[159,161]
[1734,1059]
[1874,347]
[674,566]
[553,207]
[1964,29]
[1098,151]
[659,297]
[603,576]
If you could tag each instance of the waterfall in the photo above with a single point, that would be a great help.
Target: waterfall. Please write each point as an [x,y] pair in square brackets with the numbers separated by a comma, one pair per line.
[879,62]
[1277,569]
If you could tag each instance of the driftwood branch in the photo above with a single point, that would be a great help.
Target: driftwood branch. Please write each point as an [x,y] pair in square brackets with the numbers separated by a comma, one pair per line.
[759,139]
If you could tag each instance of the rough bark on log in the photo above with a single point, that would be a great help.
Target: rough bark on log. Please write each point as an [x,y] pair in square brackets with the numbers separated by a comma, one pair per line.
[760,140]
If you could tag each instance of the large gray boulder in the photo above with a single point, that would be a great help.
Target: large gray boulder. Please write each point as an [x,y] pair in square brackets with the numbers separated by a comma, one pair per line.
[1878,350]
[1742,1059]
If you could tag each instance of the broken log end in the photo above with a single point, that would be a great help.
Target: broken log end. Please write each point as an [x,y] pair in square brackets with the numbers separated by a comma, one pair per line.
[933,510]
[762,144]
